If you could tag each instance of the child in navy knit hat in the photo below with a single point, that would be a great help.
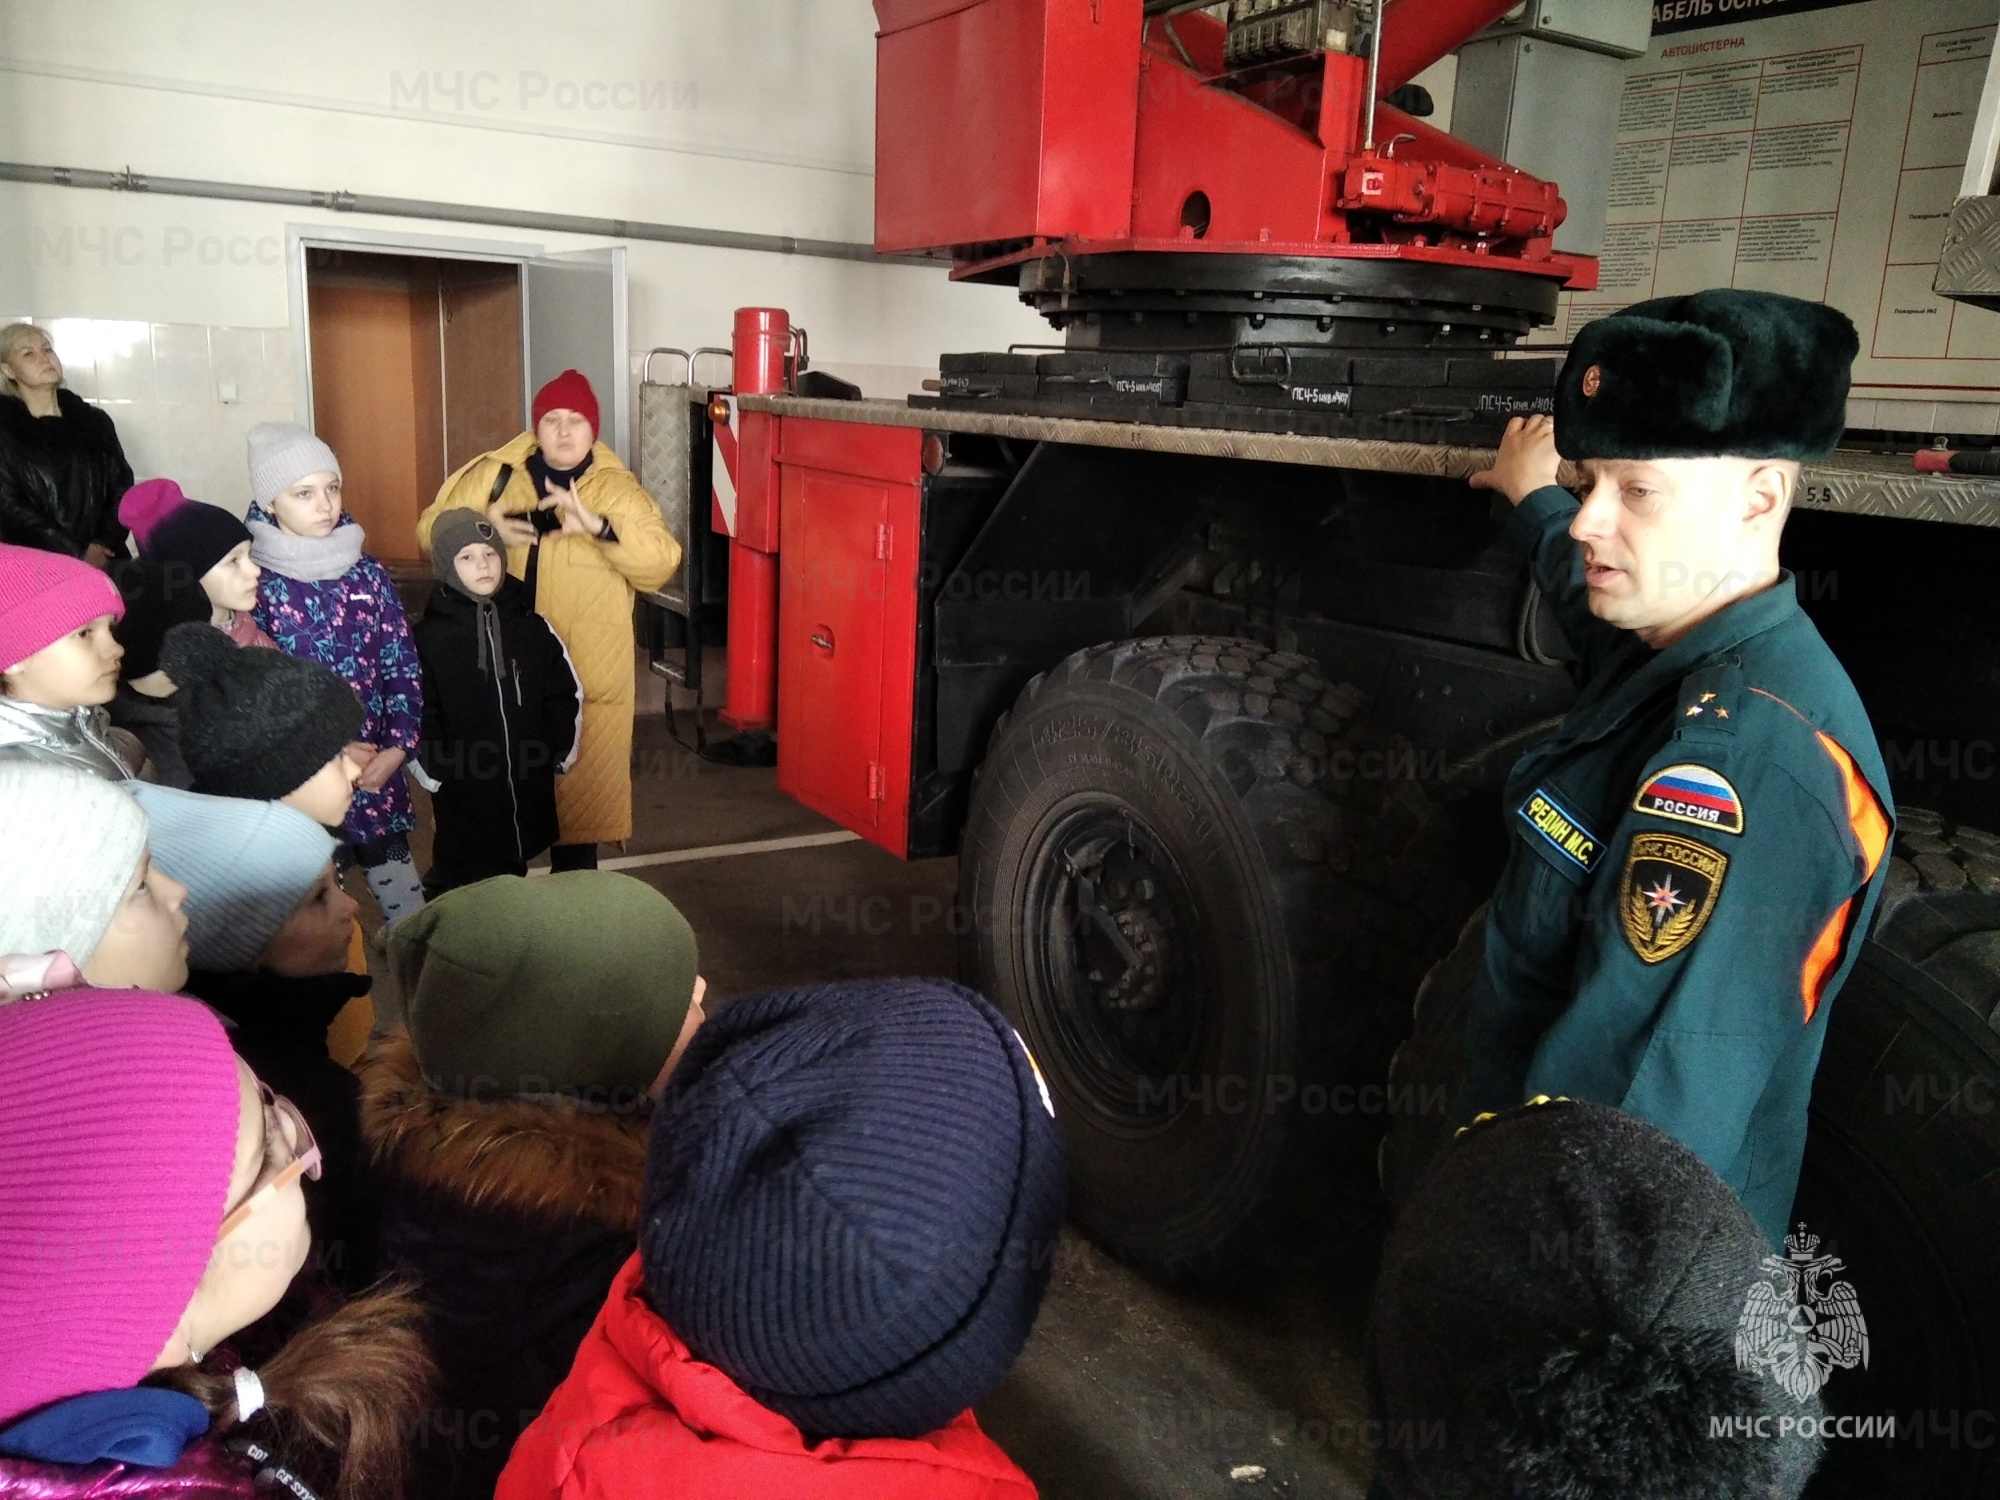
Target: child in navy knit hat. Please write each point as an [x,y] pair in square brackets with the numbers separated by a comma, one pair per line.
[852,1199]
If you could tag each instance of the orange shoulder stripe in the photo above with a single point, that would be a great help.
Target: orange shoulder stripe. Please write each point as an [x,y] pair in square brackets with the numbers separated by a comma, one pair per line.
[1871,832]
[1870,826]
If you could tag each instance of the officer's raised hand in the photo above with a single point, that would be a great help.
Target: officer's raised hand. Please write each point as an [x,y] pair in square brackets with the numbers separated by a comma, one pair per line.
[1527,460]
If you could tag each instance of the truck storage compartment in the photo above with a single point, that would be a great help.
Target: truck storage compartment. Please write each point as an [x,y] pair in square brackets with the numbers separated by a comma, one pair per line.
[1004,120]
[847,621]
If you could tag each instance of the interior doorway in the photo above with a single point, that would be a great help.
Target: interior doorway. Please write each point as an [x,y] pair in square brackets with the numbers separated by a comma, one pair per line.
[416,366]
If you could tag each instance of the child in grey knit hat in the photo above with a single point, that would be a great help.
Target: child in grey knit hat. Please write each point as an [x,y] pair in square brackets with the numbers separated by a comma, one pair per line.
[323,599]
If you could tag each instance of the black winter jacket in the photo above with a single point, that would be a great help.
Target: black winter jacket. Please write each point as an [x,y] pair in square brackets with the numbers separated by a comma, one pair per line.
[279,1029]
[492,742]
[512,1216]
[61,477]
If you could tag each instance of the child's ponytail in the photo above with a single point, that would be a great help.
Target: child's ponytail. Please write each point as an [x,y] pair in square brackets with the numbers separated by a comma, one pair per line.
[354,1382]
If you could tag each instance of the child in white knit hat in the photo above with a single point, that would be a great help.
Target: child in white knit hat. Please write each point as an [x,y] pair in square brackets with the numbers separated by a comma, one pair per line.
[323,599]
[81,901]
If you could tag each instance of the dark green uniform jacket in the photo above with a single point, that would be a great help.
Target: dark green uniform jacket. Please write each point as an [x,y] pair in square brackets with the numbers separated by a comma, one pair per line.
[1695,856]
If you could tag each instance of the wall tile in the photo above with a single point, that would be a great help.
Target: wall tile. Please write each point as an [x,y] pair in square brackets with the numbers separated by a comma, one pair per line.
[232,434]
[178,444]
[278,381]
[75,340]
[180,362]
[236,357]
[124,361]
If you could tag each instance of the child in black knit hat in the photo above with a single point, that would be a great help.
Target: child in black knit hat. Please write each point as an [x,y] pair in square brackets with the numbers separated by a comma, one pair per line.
[852,1199]
[1558,1314]
[262,724]
[193,565]
[502,709]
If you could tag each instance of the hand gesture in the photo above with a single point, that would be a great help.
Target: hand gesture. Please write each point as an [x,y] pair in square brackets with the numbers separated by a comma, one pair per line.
[1527,462]
[577,518]
[513,531]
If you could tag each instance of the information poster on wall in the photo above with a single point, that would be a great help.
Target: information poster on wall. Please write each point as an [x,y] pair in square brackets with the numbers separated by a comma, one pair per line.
[1816,151]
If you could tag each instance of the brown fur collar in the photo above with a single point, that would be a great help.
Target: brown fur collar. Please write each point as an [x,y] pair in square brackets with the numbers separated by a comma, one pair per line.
[545,1157]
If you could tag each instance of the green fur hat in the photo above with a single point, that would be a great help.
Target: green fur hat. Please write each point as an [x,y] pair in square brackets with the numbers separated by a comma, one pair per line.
[1748,374]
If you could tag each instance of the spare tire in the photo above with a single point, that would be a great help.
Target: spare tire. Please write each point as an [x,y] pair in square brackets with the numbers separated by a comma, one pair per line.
[1204,890]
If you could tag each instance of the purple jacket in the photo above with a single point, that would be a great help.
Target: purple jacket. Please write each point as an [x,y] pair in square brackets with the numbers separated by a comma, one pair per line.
[206,1471]
[355,625]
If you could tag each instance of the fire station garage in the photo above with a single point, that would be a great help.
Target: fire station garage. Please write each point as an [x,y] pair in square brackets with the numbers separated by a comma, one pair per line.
[1122,749]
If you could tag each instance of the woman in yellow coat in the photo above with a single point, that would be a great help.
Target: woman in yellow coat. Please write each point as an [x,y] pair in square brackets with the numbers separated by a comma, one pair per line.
[586,537]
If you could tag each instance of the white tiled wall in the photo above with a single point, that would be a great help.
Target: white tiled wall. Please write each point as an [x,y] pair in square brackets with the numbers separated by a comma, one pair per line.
[184,395]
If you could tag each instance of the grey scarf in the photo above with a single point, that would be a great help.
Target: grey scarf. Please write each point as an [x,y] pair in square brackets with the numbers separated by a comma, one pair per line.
[309,559]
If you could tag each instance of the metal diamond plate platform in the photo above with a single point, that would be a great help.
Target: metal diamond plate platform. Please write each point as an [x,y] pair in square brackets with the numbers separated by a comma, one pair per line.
[666,420]
[1969,261]
[1857,483]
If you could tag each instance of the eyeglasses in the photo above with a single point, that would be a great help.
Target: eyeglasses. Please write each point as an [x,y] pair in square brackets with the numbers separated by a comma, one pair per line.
[290,1152]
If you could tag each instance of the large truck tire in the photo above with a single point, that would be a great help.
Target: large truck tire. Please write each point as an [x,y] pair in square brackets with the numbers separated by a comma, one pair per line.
[1901,1177]
[1204,891]
[1429,1065]
[1902,1173]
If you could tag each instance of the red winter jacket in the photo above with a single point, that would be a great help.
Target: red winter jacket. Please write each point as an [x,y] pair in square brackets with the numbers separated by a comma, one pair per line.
[640,1416]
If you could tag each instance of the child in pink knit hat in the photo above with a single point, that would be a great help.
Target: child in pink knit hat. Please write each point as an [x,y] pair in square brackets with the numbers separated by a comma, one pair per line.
[58,662]
[149,1211]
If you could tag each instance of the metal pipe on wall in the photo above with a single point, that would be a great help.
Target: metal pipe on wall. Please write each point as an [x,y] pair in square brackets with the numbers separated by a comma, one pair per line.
[129,181]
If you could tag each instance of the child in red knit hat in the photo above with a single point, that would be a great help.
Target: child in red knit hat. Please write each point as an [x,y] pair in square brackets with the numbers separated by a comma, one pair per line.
[59,662]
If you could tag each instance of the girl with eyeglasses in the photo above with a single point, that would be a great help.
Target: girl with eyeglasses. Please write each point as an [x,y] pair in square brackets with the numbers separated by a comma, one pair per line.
[151,1209]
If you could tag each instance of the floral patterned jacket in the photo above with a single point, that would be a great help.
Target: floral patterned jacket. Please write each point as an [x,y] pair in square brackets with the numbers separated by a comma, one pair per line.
[355,625]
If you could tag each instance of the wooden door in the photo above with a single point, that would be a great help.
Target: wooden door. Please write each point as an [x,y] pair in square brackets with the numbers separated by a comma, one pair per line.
[484,401]
[377,382]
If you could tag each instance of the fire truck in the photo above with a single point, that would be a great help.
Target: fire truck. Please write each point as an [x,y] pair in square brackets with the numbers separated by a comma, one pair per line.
[1185,635]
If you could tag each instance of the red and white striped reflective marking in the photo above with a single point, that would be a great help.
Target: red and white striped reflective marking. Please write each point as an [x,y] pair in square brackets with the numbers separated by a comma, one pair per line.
[723,468]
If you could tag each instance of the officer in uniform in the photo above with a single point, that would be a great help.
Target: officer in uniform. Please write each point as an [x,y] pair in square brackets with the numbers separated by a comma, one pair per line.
[1695,854]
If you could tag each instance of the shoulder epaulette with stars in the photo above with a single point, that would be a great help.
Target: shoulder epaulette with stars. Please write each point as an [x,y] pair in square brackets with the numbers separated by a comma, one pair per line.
[1710,702]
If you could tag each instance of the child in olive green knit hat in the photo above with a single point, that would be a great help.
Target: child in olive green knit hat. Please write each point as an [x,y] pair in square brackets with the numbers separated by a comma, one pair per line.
[508,1113]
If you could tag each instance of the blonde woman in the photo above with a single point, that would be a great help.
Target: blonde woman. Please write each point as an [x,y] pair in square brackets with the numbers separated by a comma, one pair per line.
[62,470]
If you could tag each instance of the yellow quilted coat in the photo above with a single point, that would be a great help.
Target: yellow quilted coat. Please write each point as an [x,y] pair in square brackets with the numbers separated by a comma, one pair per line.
[584,589]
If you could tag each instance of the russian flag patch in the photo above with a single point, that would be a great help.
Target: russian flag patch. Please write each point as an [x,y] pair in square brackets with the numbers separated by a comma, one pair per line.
[1692,794]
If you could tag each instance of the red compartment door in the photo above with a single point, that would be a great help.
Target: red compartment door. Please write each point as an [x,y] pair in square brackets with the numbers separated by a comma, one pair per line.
[847,624]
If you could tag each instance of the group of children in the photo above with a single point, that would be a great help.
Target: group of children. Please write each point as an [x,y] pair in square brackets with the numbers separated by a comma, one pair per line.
[482,688]
[573,1237]
[556,1231]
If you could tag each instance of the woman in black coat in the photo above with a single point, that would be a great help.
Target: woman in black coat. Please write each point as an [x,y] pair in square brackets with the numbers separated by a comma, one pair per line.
[62,470]
[501,711]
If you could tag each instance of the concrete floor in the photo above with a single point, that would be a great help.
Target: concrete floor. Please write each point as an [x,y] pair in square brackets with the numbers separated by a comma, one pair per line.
[1128,1390]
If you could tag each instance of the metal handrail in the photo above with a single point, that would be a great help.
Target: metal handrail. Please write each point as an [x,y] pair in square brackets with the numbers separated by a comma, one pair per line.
[728,354]
[687,365]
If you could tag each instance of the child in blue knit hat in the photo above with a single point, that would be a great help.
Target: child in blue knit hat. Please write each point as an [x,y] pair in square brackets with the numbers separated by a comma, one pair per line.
[853,1194]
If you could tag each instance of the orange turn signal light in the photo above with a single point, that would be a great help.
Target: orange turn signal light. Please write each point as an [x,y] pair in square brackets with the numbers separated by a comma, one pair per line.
[718,410]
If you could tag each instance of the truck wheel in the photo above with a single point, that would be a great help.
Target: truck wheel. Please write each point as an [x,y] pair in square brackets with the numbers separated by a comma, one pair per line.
[1901,1180]
[1429,1066]
[1204,891]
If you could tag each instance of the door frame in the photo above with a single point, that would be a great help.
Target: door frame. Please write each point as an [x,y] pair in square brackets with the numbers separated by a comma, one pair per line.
[299,238]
